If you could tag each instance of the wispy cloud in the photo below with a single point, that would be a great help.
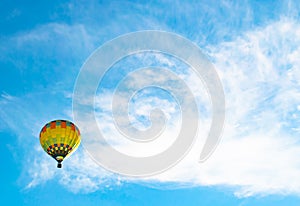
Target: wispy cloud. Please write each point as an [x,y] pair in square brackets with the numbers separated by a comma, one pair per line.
[258,153]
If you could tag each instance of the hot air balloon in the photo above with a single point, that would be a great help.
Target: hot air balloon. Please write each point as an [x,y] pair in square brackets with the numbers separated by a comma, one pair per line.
[59,138]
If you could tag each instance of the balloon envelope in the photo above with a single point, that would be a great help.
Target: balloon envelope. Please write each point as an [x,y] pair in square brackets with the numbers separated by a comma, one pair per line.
[59,138]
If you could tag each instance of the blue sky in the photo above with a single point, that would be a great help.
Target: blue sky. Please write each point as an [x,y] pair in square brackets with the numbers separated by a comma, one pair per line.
[255,48]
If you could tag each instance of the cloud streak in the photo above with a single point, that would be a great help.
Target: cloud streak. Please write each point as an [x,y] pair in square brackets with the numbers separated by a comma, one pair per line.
[258,153]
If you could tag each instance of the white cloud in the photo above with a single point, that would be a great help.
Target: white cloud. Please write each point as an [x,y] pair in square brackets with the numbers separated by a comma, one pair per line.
[259,150]
[80,174]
